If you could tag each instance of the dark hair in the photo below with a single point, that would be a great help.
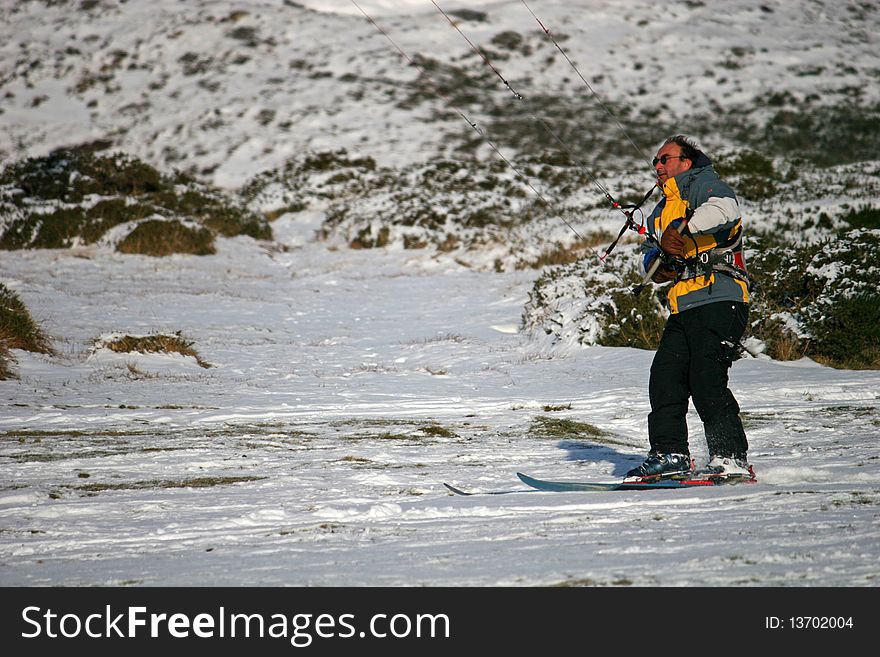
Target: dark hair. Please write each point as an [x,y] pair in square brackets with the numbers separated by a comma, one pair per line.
[689,149]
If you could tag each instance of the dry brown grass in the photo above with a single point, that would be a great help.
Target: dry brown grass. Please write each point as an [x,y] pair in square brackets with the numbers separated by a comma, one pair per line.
[18,330]
[159,238]
[156,343]
[563,255]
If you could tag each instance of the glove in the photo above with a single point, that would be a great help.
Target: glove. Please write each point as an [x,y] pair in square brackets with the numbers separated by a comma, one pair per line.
[664,274]
[671,241]
[650,254]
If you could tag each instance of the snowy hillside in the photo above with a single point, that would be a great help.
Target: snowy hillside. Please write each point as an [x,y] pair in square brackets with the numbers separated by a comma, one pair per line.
[228,89]
[337,388]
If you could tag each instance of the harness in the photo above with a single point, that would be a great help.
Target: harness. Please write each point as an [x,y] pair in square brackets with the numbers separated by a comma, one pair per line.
[720,258]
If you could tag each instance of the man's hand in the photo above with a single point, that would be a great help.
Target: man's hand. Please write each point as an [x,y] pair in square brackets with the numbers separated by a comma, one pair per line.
[664,274]
[671,241]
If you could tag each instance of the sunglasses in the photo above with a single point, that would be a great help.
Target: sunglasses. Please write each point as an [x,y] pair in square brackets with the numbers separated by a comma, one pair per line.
[662,159]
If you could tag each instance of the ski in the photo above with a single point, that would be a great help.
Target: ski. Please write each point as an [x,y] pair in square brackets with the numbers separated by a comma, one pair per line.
[567,486]
[459,491]
[536,485]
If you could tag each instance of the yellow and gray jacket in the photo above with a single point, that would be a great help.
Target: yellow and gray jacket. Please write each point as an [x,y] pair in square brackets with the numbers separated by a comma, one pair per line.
[712,268]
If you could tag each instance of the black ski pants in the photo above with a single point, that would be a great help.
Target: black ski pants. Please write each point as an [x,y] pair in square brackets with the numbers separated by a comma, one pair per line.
[693,361]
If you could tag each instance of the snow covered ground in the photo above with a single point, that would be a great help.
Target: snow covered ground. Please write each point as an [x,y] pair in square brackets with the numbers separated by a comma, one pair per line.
[346,387]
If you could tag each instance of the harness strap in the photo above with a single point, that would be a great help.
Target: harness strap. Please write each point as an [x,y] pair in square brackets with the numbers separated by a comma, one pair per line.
[720,259]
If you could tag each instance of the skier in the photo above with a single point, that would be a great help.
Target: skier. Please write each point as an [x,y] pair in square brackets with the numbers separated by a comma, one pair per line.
[696,232]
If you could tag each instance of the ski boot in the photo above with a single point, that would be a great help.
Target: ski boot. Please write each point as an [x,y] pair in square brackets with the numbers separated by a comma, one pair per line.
[727,469]
[661,466]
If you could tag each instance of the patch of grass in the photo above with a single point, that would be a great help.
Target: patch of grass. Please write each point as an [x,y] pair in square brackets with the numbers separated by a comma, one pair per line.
[801,129]
[110,212]
[751,173]
[850,337]
[69,175]
[312,179]
[592,143]
[388,435]
[50,457]
[817,299]
[193,64]
[371,422]
[6,371]
[248,35]
[510,41]
[77,194]
[440,338]
[865,217]
[18,330]
[576,582]
[550,427]
[392,429]
[856,498]
[549,408]
[752,420]
[339,161]
[460,86]
[820,300]
[819,132]
[22,435]
[196,482]
[355,459]
[156,237]
[157,343]
[214,210]
[444,203]
[436,430]
[846,411]
[582,304]
[637,321]
[54,229]
[565,254]
[470,15]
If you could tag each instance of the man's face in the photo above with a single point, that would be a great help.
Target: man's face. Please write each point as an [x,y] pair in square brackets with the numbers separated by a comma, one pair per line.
[674,163]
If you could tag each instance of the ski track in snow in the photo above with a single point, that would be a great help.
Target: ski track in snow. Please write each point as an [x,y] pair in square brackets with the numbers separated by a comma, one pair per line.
[332,371]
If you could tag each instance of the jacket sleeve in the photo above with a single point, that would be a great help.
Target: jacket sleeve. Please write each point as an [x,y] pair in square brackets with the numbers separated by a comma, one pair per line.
[717,212]
[715,206]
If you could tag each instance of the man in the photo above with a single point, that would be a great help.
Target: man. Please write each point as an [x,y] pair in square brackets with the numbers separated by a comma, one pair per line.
[696,231]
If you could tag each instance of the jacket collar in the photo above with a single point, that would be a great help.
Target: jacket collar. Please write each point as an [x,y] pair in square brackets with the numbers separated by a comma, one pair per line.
[683,180]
